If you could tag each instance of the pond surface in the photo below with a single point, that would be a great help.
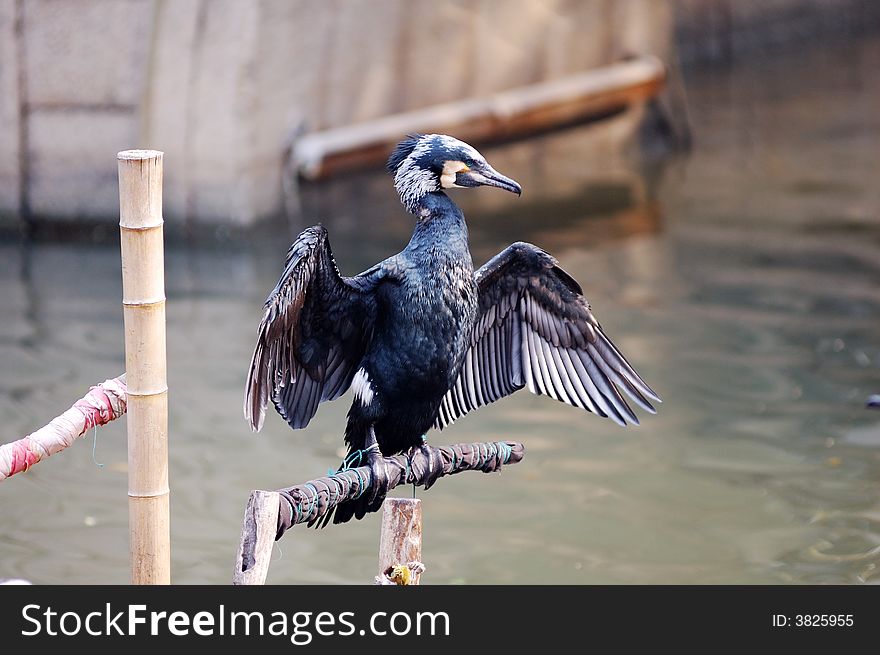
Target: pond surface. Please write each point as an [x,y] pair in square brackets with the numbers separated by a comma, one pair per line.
[741,281]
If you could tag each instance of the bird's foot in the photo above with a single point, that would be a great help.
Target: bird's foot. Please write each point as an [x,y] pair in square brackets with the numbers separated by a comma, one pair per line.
[432,464]
[378,473]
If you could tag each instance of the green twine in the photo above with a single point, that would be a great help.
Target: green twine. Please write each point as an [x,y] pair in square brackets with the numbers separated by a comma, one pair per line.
[505,449]
[94,447]
[350,463]
[329,491]
[314,502]
[483,457]
[353,462]
[363,484]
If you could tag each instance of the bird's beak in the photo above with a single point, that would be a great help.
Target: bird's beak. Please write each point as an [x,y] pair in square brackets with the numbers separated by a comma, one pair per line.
[873,401]
[486,176]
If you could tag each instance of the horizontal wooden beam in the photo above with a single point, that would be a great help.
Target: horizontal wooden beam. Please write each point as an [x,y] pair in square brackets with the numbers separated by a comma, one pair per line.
[515,112]
[272,513]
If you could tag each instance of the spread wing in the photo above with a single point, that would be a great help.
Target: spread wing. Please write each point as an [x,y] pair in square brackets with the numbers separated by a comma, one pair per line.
[316,326]
[535,329]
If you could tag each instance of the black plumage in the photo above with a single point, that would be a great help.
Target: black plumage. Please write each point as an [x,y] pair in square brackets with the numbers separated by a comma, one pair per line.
[421,338]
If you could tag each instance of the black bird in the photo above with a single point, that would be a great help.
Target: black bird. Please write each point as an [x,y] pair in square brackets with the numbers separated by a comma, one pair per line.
[421,338]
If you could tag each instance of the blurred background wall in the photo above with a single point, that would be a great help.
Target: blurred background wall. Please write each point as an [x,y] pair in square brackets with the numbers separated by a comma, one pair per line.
[223,86]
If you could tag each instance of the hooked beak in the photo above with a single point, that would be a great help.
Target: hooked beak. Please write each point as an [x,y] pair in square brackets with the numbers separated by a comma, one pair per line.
[486,176]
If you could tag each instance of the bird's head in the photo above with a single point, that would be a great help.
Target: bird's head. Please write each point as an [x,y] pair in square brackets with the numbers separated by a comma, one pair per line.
[425,163]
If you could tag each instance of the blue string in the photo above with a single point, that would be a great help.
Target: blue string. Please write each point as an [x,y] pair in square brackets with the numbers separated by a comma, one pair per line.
[353,462]
[349,462]
[94,447]
[506,450]
[330,491]
[363,485]
[314,499]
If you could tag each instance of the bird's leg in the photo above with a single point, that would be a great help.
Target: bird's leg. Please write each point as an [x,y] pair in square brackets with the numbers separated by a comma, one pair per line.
[432,472]
[409,457]
[376,462]
[424,442]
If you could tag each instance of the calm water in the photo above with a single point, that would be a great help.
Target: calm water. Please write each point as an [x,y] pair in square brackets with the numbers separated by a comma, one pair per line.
[742,281]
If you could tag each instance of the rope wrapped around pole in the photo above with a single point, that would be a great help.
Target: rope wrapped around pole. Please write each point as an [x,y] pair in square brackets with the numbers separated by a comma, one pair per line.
[103,403]
[313,500]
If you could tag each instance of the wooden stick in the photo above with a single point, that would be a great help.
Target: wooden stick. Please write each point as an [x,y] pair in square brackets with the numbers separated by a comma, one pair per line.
[400,542]
[257,538]
[515,112]
[313,501]
[275,512]
[143,300]
[103,403]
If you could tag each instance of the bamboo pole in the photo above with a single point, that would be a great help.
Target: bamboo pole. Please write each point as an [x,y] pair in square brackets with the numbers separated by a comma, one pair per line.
[143,300]
[400,541]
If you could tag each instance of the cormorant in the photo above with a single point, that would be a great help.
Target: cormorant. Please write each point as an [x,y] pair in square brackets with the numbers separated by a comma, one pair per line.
[421,338]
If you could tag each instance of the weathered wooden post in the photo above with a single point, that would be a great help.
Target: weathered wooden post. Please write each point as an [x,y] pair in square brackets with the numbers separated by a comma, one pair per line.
[257,538]
[143,300]
[401,539]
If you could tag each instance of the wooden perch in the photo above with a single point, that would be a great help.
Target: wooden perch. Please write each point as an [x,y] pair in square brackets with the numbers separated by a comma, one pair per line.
[524,110]
[103,403]
[311,501]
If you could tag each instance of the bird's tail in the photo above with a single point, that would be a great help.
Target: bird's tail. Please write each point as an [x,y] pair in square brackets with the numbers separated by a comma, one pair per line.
[357,508]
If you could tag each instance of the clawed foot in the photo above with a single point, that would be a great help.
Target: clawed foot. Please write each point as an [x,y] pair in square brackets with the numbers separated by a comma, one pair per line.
[433,469]
[376,463]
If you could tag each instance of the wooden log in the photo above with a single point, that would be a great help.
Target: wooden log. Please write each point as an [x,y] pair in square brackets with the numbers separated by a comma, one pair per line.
[400,542]
[516,112]
[314,501]
[257,538]
[143,300]
[273,513]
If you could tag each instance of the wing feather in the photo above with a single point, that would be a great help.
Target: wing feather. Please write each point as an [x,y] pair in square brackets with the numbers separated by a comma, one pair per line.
[315,329]
[535,329]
